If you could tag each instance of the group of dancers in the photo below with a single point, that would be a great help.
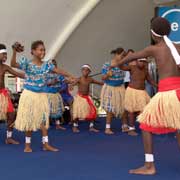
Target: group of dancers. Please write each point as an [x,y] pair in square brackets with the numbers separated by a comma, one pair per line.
[41,100]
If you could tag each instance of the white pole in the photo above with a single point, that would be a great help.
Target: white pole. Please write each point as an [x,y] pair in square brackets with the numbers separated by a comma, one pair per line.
[68,30]
[92,90]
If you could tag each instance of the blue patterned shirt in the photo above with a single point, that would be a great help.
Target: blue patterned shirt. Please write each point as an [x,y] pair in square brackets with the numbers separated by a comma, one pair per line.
[117,78]
[67,97]
[51,77]
[35,76]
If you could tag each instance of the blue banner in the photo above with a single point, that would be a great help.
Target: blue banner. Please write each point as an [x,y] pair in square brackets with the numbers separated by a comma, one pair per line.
[172,14]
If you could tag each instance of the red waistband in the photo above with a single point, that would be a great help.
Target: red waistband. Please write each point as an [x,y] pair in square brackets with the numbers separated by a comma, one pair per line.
[4,91]
[170,83]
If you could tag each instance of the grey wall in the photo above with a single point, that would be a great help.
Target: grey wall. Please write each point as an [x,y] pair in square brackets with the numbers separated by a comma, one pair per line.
[29,20]
[112,23]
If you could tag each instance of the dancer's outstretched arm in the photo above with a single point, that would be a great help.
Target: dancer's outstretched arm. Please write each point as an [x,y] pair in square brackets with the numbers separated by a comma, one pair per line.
[145,53]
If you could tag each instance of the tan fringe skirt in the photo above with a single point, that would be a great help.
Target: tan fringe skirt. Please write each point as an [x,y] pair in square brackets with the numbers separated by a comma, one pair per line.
[136,100]
[33,111]
[56,105]
[3,107]
[112,99]
[83,108]
[163,111]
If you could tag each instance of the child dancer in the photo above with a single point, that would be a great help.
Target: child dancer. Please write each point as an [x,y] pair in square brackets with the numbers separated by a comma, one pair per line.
[136,98]
[83,107]
[6,107]
[162,114]
[127,74]
[55,100]
[113,91]
[67,99]
[33,110]
[66,95]
[125,127]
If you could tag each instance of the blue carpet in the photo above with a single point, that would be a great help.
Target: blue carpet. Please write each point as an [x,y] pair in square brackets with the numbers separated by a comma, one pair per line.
[87,156]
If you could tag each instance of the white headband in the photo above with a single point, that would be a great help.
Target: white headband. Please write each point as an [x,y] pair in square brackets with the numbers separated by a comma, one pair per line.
[86,66]
[155,34]
[171,46]
[3,51]
[142,59]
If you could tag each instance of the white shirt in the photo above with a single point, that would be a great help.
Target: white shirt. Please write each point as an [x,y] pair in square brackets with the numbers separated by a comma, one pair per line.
[127,76]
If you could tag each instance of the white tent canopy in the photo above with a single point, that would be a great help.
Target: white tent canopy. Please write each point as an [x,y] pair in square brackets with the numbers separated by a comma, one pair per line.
[108,24]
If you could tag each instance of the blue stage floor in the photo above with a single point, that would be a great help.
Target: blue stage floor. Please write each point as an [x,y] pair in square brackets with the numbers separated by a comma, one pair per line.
[87,156]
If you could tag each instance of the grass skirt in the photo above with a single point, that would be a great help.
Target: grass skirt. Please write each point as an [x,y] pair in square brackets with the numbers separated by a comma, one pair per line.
[112,99]
[33,111]
[56,105]
[136,100]
[162,114]
[83,108]
[6,105]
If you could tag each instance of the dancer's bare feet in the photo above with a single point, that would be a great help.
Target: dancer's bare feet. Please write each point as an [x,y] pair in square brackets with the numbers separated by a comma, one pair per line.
[132,133]
[109,131]
[11,141]
[125,129]
[75,130]
[59,127]
[47,147]
[147,169]
[92,129]
[27,148]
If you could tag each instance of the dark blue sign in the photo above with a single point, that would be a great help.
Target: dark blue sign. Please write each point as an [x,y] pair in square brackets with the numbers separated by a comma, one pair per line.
[172,14]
